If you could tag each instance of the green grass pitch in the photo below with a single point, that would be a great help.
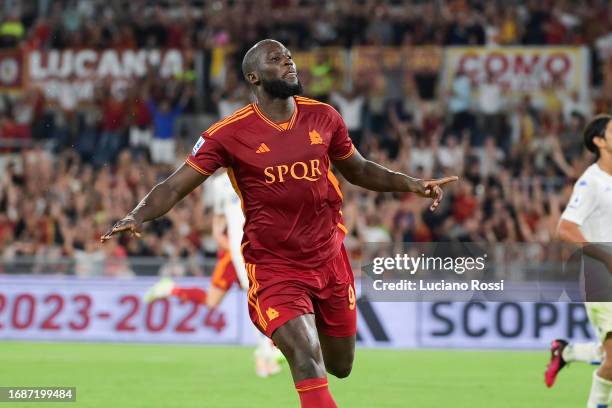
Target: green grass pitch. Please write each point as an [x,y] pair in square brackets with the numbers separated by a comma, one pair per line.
[131,376]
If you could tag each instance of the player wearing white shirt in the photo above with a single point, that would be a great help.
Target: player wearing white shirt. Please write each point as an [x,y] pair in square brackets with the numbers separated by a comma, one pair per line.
[228,222]
[588,219]
[227,212]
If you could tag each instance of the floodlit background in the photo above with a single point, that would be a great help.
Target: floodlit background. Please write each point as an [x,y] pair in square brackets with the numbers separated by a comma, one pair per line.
[99,100]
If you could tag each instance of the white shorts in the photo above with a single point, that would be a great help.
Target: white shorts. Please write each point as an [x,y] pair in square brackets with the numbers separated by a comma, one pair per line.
[140,137]
[163,151]
[600,315]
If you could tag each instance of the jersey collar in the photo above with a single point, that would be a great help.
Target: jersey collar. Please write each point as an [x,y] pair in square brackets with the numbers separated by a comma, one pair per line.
[274,124]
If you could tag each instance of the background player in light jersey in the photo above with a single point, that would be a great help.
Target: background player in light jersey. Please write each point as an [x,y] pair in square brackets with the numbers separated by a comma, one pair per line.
[279,153]
[587,219]
[228,221]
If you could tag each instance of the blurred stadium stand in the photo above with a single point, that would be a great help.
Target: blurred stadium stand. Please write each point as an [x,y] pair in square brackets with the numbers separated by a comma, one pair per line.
[496,92]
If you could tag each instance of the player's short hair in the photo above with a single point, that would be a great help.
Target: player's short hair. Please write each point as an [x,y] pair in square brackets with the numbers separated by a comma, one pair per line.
[250,60]
[595,128]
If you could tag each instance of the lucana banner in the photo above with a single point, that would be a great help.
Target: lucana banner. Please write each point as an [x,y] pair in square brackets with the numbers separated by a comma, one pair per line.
[66,308]
[69,77]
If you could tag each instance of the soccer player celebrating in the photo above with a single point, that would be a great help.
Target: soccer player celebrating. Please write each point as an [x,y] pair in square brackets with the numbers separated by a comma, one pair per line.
[586,221]
[279,153]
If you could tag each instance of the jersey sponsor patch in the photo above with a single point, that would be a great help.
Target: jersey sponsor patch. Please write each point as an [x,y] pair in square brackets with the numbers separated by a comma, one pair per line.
[197,146]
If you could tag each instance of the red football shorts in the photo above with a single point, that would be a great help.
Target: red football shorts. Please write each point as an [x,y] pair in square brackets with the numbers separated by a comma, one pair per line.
[224,275]
[277,295]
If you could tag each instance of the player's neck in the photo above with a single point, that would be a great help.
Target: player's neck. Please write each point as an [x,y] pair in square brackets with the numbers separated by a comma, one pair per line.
[277,110]
[605,163]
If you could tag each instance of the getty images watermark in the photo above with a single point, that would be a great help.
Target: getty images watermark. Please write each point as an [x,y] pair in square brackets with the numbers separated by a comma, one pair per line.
[466,271]
[429,264]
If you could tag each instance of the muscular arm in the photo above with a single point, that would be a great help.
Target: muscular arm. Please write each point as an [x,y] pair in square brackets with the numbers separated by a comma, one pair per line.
[159,200]
[372,176]
[166,194]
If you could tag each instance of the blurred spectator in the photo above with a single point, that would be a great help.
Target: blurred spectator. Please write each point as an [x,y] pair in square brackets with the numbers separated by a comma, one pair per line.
[491,103]
[572,105]
[322,77]
[451,154]
[141,132]
[351,105]
[11,30]
[508,31]
[490,157]
[165,114]
[232,97]
[113,127]
[422,158]
[459,102]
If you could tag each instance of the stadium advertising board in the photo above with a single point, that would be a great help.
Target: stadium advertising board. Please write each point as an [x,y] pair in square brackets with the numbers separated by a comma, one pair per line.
[69,309]
[470,325]
[70,76]
[540,72]
[510,325]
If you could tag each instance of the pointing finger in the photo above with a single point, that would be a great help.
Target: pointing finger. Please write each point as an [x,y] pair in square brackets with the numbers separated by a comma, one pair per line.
[115,229]
[438,197]
[442,181]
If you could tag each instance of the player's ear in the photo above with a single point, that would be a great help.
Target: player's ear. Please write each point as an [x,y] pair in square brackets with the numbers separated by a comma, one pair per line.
[600,141]
[253,78]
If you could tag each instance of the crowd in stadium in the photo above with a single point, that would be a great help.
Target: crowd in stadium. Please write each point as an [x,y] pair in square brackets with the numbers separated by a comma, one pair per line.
[299,24]
[87,167]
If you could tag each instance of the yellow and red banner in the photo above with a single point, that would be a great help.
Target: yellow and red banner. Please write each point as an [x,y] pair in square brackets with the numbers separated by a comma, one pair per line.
[536,71]
[418,60]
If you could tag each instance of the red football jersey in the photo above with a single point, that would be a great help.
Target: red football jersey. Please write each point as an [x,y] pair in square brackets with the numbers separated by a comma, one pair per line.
[282,174]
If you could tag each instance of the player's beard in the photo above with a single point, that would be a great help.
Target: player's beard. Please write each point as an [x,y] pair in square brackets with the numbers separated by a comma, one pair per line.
[278,88]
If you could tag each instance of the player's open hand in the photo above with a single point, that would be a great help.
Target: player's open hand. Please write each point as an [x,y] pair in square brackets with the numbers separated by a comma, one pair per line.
[433,189]
[127,223]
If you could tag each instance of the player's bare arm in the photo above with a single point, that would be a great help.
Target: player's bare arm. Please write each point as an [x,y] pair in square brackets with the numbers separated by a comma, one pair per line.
[570,232]
[158,201]
[372,176]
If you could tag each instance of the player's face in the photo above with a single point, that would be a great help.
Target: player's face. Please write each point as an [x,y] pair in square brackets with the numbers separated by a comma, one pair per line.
[278,64]
[278,73]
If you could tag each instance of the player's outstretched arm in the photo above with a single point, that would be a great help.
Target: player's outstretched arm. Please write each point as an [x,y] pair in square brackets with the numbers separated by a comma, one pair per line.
[158,201]
[372,176]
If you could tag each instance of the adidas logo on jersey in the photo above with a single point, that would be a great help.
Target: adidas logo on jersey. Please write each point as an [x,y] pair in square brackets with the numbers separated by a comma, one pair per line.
[263,148]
